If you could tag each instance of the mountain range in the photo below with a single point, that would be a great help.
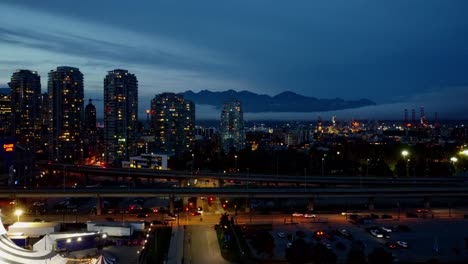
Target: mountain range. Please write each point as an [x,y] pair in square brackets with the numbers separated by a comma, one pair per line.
[283,102]
[257,103]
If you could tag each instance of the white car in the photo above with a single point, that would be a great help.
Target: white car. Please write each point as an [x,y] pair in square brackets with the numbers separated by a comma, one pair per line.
[386,229]
[297,214]
[281,234]
[169,218]
[309,215]
[402,244]
[376,233]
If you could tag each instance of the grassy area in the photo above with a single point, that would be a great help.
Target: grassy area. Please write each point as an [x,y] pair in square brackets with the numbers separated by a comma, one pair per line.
[229,250]
[158,246]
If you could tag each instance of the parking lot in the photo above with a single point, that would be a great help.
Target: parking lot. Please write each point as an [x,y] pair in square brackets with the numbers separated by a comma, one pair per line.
[420,239]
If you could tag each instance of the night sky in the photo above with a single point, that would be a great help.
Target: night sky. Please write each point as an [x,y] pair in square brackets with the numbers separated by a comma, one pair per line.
[399,53]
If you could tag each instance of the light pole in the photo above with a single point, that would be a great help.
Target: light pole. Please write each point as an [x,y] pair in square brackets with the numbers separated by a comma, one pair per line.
[323,166]
[191,171]
[454,160]
[305,179]
[18,213]
[235,162]
[248,179]
[367,167]
[405,153]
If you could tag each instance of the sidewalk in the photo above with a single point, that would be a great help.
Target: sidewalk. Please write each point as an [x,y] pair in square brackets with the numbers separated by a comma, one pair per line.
[176,253]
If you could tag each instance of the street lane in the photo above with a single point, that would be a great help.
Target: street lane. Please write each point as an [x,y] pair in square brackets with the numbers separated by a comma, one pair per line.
[201,246]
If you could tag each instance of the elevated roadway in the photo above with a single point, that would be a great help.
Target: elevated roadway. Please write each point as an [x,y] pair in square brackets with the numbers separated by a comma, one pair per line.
[149,174]
[269,192]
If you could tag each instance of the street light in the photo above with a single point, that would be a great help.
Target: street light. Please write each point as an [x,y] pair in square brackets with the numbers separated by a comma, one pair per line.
[18,213]
[235,162]
[191,172]
[454,160]
[405,153]
[248,178]
[323,166]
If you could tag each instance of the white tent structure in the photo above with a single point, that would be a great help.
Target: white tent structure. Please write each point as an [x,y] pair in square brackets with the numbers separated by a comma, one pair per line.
[104,260]
[10,253]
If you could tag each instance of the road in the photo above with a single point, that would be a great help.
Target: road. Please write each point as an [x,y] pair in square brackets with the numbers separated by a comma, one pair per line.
[201,246]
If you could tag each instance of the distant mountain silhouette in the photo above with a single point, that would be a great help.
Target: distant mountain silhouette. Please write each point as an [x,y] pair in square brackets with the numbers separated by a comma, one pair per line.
[5,90]
[283,102]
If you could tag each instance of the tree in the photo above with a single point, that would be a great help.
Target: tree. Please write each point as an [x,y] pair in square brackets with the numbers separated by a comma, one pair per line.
[356,256]
[322,255]
[299,252]
[224,220]
[380,256]
[263,242]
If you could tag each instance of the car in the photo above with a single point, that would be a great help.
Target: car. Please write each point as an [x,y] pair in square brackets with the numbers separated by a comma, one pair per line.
[411,215]
[281,234]
[196,213]
[343,232]
[376,233]
[297,214]
[402,244]
[391,245]
[142,215]
[309,215]
[386,229]
[169,218]
[374,216]
[39,204]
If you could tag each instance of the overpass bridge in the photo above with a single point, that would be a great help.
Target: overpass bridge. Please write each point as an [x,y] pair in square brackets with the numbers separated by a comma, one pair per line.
[182,176]
[299,192]
[427,193]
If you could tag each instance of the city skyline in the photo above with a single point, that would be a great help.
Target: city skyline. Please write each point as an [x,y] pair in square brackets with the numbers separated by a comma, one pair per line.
[316,49]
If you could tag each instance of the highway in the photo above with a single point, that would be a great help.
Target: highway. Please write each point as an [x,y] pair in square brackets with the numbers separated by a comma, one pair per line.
[250,177]
[259,192]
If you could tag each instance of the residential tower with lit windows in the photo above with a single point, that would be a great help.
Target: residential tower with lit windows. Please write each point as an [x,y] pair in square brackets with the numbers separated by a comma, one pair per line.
[66,92]
[173,123]
[120,116]
[25,108]
[231,129]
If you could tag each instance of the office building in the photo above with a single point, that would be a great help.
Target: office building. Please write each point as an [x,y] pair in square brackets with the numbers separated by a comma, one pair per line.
[65,89]
[232,127]
[120,116]
[172,120]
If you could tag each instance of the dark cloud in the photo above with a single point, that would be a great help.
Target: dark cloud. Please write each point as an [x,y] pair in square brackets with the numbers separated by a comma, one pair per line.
[381,50]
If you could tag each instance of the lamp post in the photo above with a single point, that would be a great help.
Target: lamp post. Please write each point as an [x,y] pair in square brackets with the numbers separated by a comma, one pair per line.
[405,153]
[248,179]
[235,162]
[18,213]
[367,167]
[305,179]
[454,160]
[323,166]
[191,171]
